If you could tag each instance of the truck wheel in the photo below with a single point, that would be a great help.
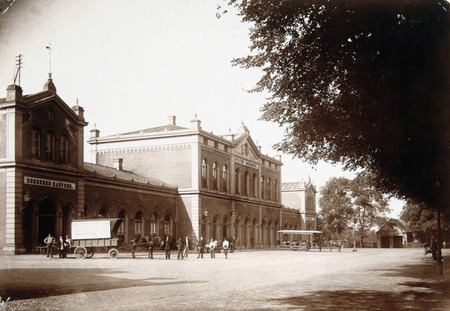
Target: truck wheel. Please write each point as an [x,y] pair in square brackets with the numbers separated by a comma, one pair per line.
[80,252]
[113,253]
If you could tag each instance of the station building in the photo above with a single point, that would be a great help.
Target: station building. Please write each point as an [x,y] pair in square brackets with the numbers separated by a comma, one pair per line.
[164,180]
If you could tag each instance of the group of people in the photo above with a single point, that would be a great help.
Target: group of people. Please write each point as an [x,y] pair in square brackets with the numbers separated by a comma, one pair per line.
[213,246]
[183,245]
[60,245]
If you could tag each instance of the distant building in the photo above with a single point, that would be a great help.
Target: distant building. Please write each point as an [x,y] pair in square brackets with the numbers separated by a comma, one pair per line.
[165,180]
[301,196]
[393,234]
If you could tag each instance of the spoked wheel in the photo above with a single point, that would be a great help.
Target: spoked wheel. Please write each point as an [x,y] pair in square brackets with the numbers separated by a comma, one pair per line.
[113,253]
[80,252]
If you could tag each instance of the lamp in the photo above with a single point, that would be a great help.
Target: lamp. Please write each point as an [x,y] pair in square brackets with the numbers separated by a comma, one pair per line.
[27,197]
[206,213]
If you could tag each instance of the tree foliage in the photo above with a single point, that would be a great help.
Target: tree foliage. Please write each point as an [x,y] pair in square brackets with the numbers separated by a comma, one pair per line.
[345,203]
[336,206]
[421,221]
[363,83]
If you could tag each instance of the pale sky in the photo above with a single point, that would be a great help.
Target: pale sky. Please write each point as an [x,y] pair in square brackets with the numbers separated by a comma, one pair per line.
[133,63]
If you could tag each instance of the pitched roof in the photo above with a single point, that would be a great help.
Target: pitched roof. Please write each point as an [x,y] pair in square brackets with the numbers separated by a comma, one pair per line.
[125,176]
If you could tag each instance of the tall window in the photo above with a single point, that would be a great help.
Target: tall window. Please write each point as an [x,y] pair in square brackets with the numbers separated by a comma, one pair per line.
[167,228]
[204,174]
[269,189]
[246,183]
[138,224]
[255,185]
[225,178]
[275,192]
[121,230]
[64,149]
[50,147]
[214,175]
[263,188]
[36,143]
[153,227]
[237,176]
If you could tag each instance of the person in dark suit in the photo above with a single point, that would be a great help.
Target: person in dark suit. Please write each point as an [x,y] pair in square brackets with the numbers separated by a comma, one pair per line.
[200,247]
[180,248]
[61,247]
[135,242]
[151,245]
[167,247]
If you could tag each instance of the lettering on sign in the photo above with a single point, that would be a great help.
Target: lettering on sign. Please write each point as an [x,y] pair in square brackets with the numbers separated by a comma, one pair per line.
[48,183]
[246,163]
[310,218]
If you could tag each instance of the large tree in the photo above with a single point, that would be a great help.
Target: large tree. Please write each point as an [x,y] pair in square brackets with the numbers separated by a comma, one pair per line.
[363,83]
[335,203]
[369,203]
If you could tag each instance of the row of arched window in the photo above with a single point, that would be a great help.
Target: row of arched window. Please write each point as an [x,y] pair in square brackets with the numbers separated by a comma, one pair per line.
[51,147]
[245,183]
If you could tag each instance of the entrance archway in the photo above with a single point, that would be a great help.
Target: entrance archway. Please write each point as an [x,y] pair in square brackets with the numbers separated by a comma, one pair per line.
[47,219]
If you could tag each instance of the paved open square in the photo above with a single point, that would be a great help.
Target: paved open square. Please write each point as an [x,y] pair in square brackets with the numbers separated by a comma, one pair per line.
[369,279]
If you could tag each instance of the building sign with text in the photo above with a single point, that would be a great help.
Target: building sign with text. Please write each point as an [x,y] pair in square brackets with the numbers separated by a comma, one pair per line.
[246,163]
[48,183]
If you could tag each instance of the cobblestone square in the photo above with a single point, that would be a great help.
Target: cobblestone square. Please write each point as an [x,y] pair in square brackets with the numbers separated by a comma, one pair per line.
[369,279]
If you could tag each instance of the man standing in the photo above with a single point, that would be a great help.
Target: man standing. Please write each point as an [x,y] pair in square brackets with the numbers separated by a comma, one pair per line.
[49,240]
[167,247]
[225,246]
[212,247]
[61,247]
[151,245]
[186,248]
[180,248]
[200,247]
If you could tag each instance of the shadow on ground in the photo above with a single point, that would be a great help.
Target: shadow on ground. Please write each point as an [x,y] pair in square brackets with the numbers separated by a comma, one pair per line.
[35,283]
[426,290]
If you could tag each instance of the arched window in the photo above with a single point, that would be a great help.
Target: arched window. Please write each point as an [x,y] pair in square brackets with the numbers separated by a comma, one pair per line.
[204,174]
[138,224]
[50,146]
[153,224]
[36,143]
[214,175]
[262,187]
[225,178]
[167,227]
[64,149]
[246,183]
[121,230]
[237,176]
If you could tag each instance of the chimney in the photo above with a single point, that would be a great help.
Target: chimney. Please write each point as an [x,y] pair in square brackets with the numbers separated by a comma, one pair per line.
[13,93]
[172,120]
[79,111]
[196,123]
[118,164]
[95,133]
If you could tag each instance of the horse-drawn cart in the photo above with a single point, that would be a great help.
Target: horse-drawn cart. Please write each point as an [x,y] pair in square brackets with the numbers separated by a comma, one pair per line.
[91,235]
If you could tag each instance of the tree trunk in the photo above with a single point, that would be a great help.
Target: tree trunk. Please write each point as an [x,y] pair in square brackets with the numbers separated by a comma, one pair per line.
[439,243]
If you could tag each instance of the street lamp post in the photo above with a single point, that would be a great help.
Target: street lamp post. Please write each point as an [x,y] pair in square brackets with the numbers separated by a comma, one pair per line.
[354,235]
